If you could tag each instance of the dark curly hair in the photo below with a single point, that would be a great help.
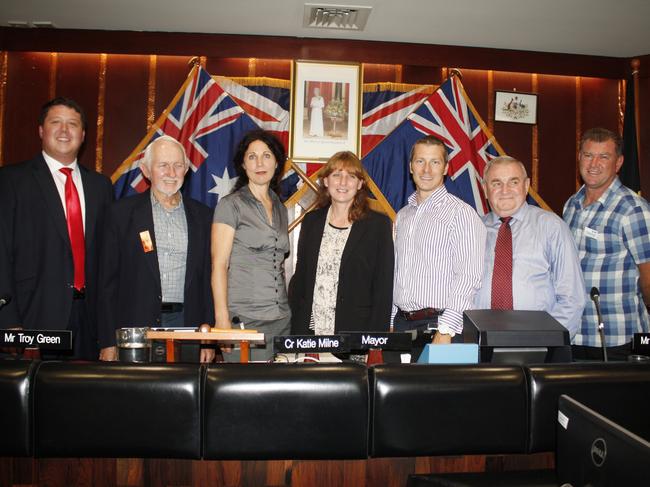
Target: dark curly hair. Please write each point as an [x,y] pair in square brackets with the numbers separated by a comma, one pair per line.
[273,144]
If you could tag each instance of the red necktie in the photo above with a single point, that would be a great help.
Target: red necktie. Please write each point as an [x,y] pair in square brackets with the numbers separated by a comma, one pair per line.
[75,228]
[502,274]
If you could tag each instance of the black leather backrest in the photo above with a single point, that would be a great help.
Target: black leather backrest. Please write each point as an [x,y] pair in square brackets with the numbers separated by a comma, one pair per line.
[117,410]
[16,379]
[618,391]
[279,411]
[447,409]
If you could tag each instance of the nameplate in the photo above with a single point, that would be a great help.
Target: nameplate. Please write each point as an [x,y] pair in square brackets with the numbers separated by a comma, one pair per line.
[311,344]
[48,339]
[382,341]
[641,343]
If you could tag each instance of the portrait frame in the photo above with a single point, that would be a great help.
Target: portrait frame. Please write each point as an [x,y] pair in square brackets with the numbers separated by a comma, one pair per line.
[325,109]
[515,106]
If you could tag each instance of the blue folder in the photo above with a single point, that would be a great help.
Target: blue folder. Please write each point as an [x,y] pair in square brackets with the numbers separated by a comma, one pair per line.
[453,353]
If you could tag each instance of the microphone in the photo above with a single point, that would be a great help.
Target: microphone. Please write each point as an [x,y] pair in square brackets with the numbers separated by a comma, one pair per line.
[595,297]
[237,322]
[5,300]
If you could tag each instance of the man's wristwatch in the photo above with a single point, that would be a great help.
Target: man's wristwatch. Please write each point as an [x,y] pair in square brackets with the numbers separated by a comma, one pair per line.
[445,330]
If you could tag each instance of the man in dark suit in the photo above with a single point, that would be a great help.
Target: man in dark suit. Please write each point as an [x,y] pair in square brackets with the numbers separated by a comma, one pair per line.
[52,209]
[155,258]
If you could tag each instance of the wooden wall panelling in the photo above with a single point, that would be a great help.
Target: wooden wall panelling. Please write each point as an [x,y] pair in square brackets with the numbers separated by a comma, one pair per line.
[276,47]
[235,67]
[167,472]
[459,463]
[245,67]
[131,472]
[274,68]
[4,59]
[557,128]
[388,472]
[598,108]
[378,73]
[17,471]
[515,138]
[171,72]
[26,91]
[325,473]
[421,75]
[599,103]
[475,83]
[78,78]
[81,472]
[125,111]
[643,103]
[536,461]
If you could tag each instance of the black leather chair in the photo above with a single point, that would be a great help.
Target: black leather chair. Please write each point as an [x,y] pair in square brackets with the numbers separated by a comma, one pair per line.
[279,411]
[117,410]
[447,410]
[618,391]
[16,379]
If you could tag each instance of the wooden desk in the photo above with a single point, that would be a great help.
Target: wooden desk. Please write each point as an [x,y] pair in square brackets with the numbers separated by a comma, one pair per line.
[219,335]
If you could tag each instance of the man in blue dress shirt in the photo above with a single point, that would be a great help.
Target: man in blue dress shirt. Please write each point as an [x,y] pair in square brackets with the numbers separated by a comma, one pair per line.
[546,272]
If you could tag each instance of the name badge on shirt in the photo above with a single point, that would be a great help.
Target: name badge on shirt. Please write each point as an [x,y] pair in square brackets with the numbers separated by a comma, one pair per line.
[147,243]
[591,233]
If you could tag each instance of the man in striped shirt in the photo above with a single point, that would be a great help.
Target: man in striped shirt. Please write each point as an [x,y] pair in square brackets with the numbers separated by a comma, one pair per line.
[439,252]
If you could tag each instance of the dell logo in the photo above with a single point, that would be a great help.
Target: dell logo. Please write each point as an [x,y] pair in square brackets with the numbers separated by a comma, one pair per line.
[598,452]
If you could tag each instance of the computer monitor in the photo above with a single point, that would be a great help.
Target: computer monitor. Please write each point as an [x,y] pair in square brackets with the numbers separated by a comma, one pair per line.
[594,451]
[516,337]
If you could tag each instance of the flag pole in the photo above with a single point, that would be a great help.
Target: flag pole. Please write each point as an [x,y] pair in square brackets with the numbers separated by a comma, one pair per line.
[636,64]
[456,72]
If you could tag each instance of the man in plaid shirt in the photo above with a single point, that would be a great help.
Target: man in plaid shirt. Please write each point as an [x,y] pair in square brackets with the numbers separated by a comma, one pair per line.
[610,224]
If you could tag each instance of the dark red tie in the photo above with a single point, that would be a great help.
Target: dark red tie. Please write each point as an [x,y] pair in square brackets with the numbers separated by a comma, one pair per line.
[502,274]
[75,228]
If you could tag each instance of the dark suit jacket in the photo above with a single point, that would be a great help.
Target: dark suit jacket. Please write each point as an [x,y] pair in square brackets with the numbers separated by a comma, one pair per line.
[129,277]
[365,290]
[36,267]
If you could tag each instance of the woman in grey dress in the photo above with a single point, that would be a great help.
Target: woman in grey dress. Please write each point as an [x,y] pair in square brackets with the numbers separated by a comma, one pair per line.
[249,244]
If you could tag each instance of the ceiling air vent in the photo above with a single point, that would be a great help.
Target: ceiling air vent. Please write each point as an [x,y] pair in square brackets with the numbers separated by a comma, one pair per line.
[344,17]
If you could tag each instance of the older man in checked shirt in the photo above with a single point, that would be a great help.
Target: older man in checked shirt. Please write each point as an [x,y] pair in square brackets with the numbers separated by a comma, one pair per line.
[439,251]
[155,259]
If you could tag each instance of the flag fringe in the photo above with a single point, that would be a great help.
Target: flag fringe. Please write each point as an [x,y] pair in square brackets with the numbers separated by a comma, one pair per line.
[258,81]
[401,87]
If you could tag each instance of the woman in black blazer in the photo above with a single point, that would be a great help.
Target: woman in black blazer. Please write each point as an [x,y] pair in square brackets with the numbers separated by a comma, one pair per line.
[344,271]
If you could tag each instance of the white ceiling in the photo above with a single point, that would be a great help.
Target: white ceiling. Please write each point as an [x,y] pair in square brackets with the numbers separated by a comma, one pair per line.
[619,28]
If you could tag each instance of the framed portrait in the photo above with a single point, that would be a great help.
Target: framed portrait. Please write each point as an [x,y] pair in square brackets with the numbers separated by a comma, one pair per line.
[325,109]
[513,106]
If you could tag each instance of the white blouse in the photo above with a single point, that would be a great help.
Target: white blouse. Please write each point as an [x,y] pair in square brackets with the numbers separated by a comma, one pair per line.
[323,309]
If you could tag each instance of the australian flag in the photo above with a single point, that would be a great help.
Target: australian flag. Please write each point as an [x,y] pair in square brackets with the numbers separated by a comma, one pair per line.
[209,124]
[448,115]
